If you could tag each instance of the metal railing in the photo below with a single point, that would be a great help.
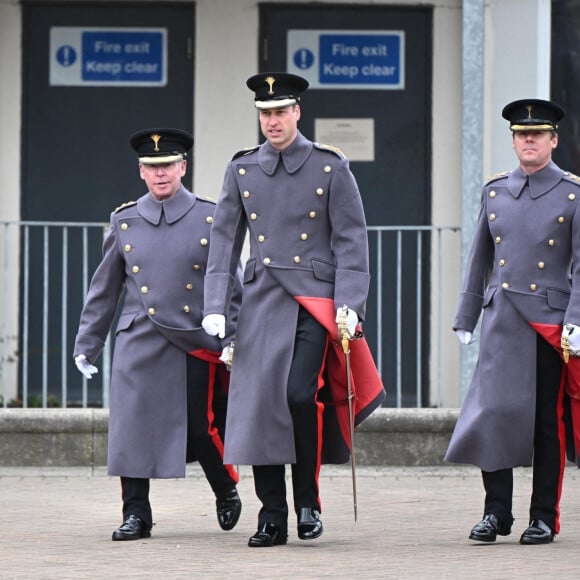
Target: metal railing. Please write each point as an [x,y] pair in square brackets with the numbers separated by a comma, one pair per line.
[46,271]
[433,253]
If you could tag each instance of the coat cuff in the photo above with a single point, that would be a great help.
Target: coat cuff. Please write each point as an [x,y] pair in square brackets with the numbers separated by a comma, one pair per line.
[352,288]
[468,311]
[217,293]
[90,346]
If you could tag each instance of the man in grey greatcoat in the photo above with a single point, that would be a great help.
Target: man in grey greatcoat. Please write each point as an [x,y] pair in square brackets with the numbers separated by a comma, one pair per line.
[308,268]
[168,384]
[524,273]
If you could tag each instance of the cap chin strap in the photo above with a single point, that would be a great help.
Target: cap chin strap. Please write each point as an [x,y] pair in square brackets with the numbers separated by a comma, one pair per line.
[275,103]
[161,159]
[544,127]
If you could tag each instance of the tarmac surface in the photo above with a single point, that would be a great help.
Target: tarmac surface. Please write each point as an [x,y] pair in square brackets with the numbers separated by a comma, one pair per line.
[412,523]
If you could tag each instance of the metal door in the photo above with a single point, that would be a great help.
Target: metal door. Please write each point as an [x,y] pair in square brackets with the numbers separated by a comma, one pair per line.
[76,161]
[394,177]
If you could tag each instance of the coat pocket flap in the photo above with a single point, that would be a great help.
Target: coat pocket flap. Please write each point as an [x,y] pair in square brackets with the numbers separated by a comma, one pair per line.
[125,321]
[250,270]
[488,296]
[324,270]
[557,299]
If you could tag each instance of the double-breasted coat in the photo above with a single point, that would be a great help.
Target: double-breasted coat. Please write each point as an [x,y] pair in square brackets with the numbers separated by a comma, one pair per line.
[155,255]
[308,246]
[523,271]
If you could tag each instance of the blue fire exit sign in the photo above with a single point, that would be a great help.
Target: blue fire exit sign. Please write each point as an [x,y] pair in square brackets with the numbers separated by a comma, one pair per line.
[344,59]
[108,56]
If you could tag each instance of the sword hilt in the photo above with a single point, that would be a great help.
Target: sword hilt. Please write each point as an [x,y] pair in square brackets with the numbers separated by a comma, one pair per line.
[230,358]
[343,329]
[565,343]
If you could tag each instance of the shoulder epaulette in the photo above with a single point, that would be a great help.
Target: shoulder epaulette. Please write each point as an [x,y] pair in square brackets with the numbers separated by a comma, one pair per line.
[330,148]
[245,151]
[497,176]
[206,198]
[571,177]
[124,205]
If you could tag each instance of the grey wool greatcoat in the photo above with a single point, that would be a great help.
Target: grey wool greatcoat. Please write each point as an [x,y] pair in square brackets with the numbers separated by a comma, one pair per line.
[524,272]
[307,233]
[156,254]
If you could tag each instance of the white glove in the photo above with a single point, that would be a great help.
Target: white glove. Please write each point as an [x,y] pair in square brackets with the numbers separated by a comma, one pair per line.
[571,338]
[85,366]
[227,355]
[214,324]
[464,336]
[351,319]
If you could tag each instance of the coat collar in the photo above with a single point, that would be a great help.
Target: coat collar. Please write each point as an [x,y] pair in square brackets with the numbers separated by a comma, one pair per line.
[293,157]
[539,183]
[174,208]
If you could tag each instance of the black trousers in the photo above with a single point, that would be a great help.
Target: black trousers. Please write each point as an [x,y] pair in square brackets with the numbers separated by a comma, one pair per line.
[303,384]
[203,442]
[549,450]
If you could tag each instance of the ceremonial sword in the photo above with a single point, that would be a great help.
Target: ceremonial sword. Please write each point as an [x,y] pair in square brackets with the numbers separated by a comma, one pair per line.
[344,337]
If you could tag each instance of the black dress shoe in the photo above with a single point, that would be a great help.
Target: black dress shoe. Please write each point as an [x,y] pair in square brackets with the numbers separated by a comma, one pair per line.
[133,528]
[228,510]
[309,524]
[538,532]
[268,535]
[489,528]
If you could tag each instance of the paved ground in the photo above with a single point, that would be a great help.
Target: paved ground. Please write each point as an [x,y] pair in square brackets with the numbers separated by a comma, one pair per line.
[412,523]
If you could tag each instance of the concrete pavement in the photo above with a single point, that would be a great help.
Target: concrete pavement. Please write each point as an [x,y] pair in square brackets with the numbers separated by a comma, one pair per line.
[413,522]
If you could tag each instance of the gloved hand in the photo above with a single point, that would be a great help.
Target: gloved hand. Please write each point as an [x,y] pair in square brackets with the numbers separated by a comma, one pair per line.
[85,366]
[351,319]
[227,355]
[464,336]
[571,339]
[214,324]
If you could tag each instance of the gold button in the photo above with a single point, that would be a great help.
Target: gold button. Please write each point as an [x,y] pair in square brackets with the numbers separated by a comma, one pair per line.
[491,217]
[505,285]
[196,266]
[135,269]
[203,241]
[253,216]
[246,194]
[551,243]
[261,238]
[541,265]
[267,261]
[571,196]
[497,240]
[297,259]
[189,286]
[303,237]
[144,289]
[502,262]
[242,171]
[312,215]
[327,169]
[320,191]
[561,219]
[492,193]
[533,287]
[124,226]
[186,309]
[151,311]
[209,220]
[127,247]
